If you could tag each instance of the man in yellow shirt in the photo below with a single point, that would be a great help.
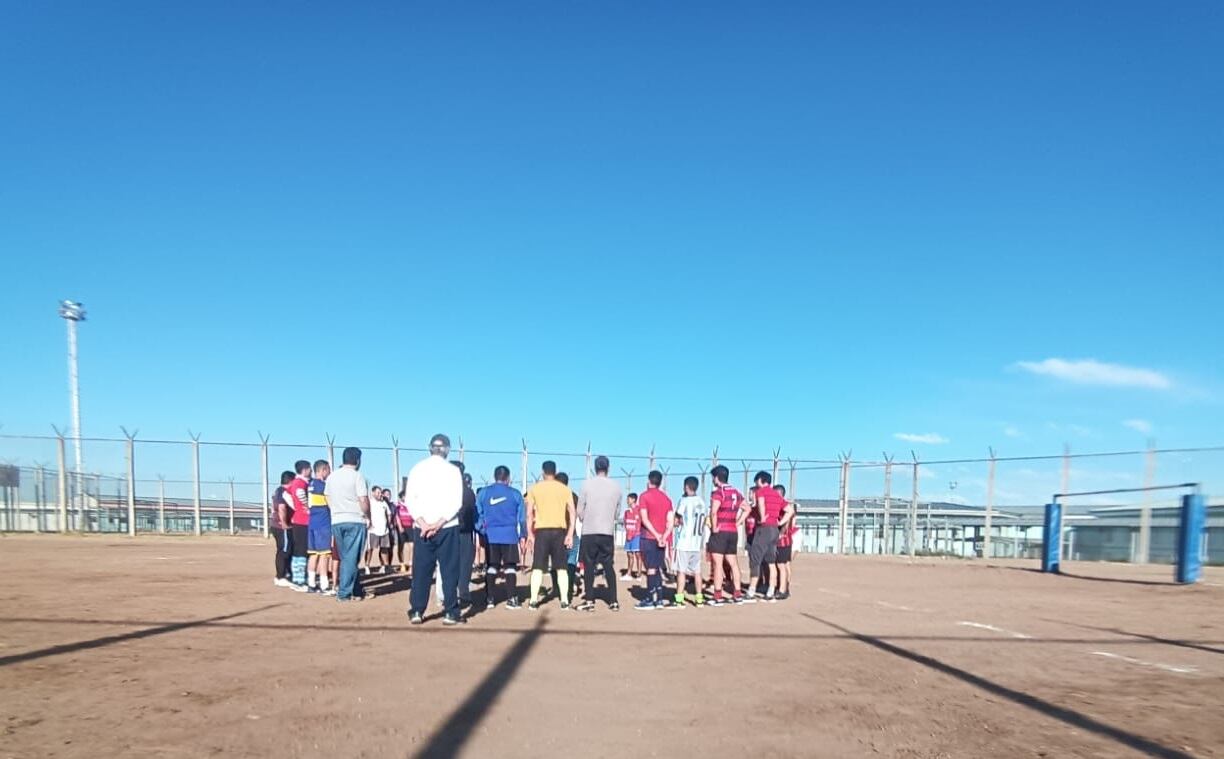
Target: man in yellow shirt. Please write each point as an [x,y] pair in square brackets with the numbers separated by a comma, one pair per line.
[550,523]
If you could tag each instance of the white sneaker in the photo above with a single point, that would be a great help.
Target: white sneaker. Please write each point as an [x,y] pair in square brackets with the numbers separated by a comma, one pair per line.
[281,582]
[299,588]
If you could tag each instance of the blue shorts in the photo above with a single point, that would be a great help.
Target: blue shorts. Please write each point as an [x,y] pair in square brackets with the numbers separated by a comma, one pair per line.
[320,539]
[634,544]
[572,557]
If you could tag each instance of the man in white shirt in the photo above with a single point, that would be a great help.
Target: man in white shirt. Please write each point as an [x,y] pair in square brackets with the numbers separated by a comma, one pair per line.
[348,497]
[434,495]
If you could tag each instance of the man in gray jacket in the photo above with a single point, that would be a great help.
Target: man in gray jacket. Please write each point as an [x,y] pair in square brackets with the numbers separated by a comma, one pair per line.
[598,506]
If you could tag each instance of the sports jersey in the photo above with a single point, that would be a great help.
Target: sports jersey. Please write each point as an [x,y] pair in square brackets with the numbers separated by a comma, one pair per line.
[770,505]
[274,518]
[691,532]
[654,505]
[726,502]
[500,514]
[633,526]
[298,490]
[317,498]
[552,502]
[788,535]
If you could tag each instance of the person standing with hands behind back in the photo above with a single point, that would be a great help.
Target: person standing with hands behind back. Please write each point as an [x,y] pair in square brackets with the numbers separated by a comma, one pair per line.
[657,516]
[434,495]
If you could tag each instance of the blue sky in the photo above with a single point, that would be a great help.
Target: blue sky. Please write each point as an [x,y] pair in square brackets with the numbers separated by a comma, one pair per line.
[799,225]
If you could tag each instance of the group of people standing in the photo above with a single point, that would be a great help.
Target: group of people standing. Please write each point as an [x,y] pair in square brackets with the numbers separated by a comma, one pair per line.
[324,520]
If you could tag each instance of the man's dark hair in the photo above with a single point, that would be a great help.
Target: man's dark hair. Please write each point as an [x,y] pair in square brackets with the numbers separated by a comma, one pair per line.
[549,468]
[319,464]
[286,477]
[763,478]
[501,474]
[781,490]
[655,477]
[351,456]
[632,497]
[301,466]
[692,482]
[563,478]
[720,474]
[602,465]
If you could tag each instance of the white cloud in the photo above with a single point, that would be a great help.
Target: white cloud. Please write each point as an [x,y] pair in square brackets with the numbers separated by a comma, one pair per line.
[1011,431]
[1139,425]
[1092,372]
[929,438]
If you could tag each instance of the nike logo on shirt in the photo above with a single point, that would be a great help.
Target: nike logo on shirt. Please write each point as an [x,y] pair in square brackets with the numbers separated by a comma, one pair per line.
[495,501]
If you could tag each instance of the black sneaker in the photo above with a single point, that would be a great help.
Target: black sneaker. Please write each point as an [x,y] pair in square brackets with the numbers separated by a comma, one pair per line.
[614,606]
[416,618]
[514,604]
[565,606]
[586,606]
[533,605]
[782,596]
[449,621]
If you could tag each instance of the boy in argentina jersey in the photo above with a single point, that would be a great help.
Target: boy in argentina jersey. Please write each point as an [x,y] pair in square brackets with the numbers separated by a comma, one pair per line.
[690,536]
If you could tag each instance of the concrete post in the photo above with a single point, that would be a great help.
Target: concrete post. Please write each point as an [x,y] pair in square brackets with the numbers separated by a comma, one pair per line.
[990,483]
[267,493]
[131,481]
[61,456]
[161,504]
[1145,512]
[887,541]
[524,464]
[395,462]
[195,473]
[233,527]
[331,450]
[912,527]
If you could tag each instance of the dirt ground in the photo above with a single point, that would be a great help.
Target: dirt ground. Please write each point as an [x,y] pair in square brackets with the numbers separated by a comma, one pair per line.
[165,647]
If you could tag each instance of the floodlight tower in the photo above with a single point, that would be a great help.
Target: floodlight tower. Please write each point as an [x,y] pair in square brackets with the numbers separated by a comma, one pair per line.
[73,312]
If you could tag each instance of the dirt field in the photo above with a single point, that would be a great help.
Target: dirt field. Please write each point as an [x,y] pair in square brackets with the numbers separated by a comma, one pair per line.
[183,647]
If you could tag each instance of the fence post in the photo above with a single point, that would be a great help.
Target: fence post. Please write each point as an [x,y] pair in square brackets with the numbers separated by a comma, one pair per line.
[886,541]
[790,486]
[666,470]
[40,497]
[1145,513]
[843,506]
[233,527]
[195,470]
[331,450]
[161,504]
[588,461]
[704,471]
[774,471]
[651,467]
[395,468]
[628,480]
[461,449]
[912,527]
[63,480]
[524,465]
[990,483]
[265,498]
[131,479]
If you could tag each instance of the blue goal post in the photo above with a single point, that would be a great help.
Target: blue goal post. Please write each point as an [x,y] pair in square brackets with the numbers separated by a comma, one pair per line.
[1190,528]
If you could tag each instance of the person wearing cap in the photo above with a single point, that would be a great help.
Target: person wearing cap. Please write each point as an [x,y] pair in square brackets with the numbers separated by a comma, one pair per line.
[434,496]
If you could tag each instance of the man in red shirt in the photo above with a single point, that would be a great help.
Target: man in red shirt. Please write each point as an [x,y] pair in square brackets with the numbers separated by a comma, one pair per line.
[772,510]
[727,513]
[656,514]
[786,542]
[633,538]
[297,498]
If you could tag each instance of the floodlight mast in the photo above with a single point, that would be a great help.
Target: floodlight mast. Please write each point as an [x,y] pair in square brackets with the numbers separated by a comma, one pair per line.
[73,312]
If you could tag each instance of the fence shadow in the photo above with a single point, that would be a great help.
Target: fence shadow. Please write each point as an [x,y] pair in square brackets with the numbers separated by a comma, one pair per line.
[458,727]
[1090,578]
[1061,713]
[148,632]
[1196,645]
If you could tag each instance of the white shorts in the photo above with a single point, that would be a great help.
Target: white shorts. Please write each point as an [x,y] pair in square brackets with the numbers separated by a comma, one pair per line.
[688,562]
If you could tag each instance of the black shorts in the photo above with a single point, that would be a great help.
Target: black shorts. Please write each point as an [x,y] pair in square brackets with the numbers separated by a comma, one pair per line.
[549,544]
[653,555]
[300,534]
[784,554]
[724,543]
[502,556]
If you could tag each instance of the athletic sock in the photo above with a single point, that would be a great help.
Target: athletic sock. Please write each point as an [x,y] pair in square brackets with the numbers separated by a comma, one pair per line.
[537,579]
[563,586]
[325,582]
[680,598]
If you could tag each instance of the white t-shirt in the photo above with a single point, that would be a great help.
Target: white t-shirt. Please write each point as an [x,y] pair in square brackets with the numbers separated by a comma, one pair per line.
[378,518]
[691,534]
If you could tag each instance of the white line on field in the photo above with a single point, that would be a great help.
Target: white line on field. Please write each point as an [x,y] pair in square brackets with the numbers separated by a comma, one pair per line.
[898,607]
[833,592]
[1142,663]
[992,628]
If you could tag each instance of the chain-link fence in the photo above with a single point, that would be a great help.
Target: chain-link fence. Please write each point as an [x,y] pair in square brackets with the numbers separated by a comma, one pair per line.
[988,507]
